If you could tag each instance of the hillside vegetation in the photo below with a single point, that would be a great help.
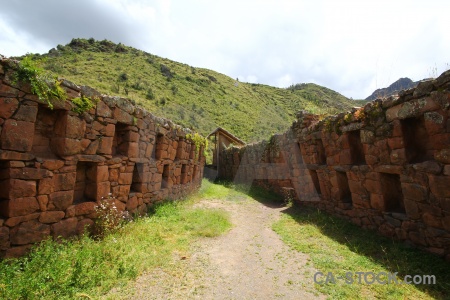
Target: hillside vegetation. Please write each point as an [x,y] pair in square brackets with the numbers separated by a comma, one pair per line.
[198,98]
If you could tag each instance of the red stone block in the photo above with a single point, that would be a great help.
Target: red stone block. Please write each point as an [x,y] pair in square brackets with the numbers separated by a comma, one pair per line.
[60,200]
[65,228]
[4,238]
[64,182]
[414,192]
[29,232]
[133,150]
[125,178]
[132,203]
[440,185]
[7,107]
[26,113]
[29,173]
[52,164]
[103,110]
[65,146]
[105,145]
[431,220]
[109,130]
[398,157]
[17,135]
[439,141]
[68,126]
[16,188]
[85,208]
[51,216]
[43,201]
[396,143]
[84,226]
[122,116]
[8,91]
[18,206]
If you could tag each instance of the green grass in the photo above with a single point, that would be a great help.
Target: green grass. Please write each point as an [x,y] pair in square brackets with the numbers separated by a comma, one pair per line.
[193,97]
[337,246]
[91,268]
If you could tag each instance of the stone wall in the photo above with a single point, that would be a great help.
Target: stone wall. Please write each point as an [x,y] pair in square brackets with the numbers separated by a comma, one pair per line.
[56,165]
[385,166]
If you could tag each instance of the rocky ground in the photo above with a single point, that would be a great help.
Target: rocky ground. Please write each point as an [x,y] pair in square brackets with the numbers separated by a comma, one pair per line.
[248,262]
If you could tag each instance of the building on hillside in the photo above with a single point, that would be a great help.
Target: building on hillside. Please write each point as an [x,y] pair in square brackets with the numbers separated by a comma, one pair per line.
[221,139]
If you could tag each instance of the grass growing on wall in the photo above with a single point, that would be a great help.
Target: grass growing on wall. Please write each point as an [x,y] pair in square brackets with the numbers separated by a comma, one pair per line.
[337,246]
[88,268]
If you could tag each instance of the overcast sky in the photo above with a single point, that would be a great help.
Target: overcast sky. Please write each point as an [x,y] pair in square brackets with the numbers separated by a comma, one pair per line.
[352,47]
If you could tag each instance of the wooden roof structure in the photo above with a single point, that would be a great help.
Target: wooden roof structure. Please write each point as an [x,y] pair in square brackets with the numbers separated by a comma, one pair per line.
[235,140]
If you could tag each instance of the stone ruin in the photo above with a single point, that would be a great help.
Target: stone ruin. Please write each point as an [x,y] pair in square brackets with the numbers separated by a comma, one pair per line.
[56,165]
[385,166]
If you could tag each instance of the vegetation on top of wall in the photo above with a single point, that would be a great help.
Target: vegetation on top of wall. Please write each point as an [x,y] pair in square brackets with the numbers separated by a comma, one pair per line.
[46,86]
[83,104]
[199,142]
[197,98]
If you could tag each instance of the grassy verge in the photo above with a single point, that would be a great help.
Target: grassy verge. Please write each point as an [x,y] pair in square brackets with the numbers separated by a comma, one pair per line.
[88,268]
[338,246]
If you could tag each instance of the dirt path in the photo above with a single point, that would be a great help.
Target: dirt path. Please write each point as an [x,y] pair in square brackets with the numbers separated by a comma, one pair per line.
[249,262]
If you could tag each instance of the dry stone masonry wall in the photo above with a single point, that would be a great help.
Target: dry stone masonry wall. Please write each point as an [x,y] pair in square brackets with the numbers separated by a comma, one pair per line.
[385,166]
[56,165]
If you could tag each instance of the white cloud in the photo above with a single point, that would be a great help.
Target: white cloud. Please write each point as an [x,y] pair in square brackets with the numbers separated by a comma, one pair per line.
[352,47]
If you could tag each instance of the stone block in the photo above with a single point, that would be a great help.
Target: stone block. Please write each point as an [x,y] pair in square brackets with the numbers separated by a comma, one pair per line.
[51,216]
[105,145]
[60,200]
[26,113]
[4,238]
[377,202]
[18,206]
[16,188]
[440,185]
[52,164]
[102,110]
[85,208]
[122,116]
[65,146]
[125,178]
[414,192]
[29,232]
[8,107]
[65,228]
[17,135]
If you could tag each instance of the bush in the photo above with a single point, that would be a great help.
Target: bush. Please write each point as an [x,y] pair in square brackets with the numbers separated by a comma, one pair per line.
[150,95]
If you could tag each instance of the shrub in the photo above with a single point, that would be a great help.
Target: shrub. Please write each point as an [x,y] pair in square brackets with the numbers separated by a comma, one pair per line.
[150,95]
[109,218]
[45,86]
[83,104]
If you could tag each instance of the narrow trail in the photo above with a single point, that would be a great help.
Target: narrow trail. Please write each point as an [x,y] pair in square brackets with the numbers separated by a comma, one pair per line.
[248,262]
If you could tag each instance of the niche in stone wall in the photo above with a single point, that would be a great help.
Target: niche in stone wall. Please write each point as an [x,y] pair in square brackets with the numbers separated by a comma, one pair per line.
[315,181]
[356,148]
[159,144]
[165,177]
[180,148]
[392,193]
[44,131]
[345,196]
[4,180]
[86,183]
[138,178]
[321,155]
[120,145]
[184,174]
[415,139]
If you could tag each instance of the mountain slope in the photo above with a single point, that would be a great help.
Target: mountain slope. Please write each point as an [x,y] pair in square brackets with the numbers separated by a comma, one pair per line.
[401,84]
[193,97]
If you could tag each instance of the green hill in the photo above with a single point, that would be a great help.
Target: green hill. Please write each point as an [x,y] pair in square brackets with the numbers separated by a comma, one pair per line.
[193,97]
